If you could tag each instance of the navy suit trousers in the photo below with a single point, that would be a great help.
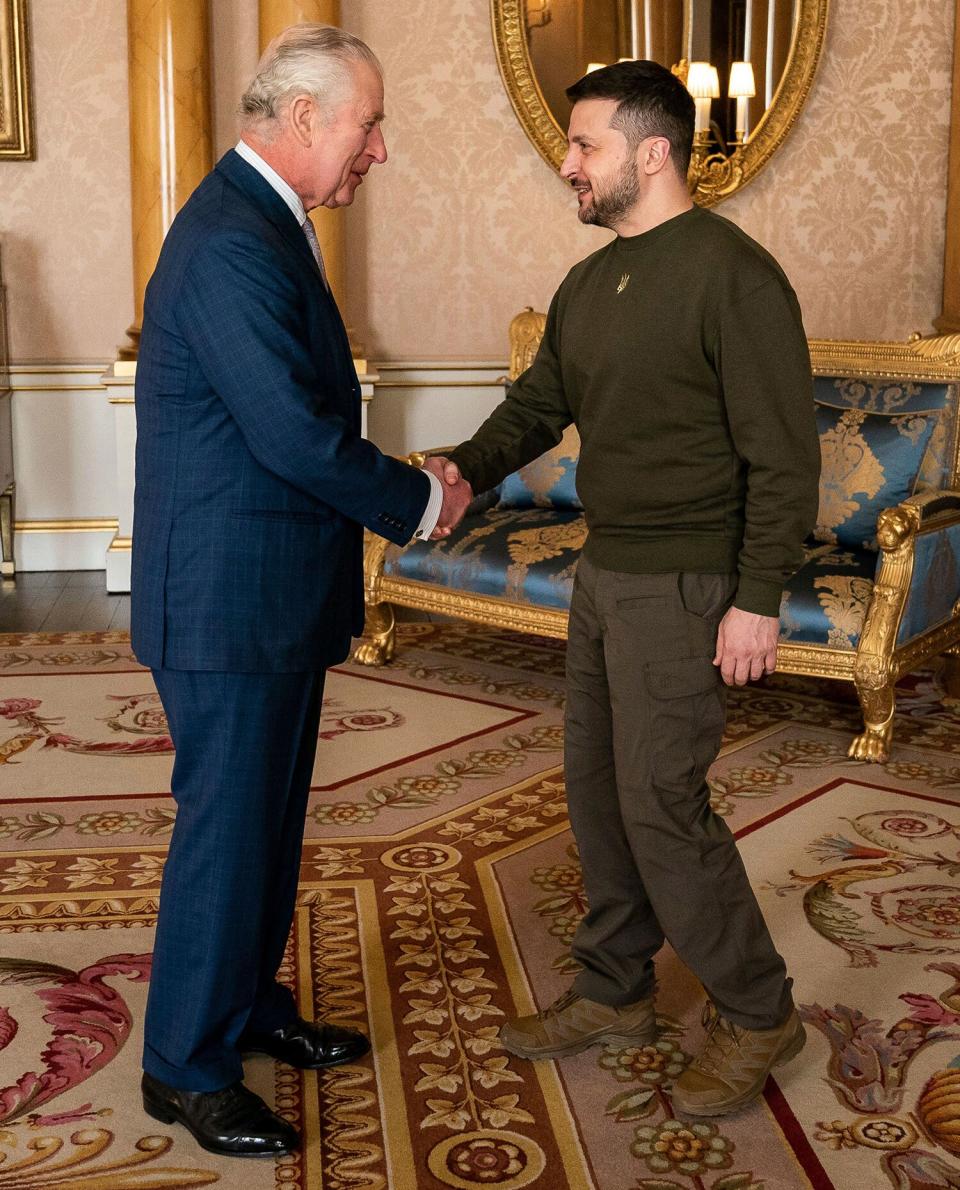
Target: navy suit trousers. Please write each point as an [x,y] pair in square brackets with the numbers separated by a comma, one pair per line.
[245,746]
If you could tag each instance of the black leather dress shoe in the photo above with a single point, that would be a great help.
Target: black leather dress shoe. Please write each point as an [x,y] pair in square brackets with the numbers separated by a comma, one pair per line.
[308,1046]
[233,1121]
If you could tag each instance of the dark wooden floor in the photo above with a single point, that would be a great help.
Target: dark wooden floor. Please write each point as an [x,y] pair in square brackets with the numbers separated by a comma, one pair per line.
[61,601]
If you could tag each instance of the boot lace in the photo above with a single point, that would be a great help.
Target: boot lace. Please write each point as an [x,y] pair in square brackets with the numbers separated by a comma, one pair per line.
[558,1006]
[721,1041]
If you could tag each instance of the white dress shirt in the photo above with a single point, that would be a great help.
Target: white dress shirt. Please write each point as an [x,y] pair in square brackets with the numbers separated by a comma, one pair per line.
[292,199]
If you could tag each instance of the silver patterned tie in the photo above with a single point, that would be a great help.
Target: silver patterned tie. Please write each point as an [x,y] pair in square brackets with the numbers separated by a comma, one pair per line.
[310,233]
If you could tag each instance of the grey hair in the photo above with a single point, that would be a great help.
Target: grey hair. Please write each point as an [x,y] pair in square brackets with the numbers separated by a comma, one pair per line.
[306,59]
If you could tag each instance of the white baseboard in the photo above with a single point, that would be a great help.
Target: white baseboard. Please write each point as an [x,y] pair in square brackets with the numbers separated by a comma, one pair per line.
[71,548]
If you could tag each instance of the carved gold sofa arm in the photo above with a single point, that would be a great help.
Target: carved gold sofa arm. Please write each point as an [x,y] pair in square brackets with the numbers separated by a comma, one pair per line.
[879,662]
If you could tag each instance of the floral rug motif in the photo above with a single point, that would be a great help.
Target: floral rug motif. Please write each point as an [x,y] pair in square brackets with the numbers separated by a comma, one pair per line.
[440,889]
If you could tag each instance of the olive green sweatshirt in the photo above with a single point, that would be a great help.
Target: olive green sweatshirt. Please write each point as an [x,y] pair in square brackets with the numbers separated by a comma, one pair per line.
[681,357]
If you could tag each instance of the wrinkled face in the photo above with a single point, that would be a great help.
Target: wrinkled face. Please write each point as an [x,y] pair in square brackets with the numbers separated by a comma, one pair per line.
[348,140]
[599,164]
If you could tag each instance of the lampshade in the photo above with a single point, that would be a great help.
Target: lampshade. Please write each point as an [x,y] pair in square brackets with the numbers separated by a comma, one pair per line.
[703,82]
[714,83]
[592,66]
[742,85]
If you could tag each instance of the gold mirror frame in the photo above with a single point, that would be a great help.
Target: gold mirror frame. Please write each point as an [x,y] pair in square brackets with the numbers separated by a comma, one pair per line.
[712,178]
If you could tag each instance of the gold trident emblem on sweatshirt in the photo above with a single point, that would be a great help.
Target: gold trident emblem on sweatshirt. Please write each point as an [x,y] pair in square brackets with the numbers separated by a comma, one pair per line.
[624,281]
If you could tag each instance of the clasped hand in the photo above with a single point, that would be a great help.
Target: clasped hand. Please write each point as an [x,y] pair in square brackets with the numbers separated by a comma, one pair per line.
[457,494]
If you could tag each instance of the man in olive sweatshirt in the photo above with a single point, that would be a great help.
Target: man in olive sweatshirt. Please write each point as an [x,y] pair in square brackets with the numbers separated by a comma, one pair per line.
[679,352]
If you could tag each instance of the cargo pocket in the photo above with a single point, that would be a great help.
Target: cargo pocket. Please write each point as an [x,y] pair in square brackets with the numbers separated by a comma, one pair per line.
[686,721]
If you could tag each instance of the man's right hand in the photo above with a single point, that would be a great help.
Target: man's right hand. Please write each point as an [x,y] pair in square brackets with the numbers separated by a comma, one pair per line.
[457,494]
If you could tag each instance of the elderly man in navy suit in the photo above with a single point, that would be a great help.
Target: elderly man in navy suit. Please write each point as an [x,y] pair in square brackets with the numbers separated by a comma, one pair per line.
[253,485]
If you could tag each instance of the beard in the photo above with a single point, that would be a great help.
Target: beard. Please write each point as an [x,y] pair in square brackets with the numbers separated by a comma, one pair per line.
[609,205]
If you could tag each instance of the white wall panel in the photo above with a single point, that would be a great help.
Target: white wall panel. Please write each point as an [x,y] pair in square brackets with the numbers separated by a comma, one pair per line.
[64,459]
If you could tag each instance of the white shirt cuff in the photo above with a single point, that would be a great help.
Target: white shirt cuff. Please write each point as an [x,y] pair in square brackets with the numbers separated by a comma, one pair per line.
[434,506]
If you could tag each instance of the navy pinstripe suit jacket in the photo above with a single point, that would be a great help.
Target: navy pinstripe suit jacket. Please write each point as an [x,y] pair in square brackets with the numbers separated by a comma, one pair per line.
[252,482]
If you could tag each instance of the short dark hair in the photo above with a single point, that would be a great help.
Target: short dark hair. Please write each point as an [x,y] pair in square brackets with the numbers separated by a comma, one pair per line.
[652,102]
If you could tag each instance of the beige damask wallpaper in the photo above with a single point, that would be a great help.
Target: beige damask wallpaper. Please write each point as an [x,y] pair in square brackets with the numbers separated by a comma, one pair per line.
[65,218]
[466,224]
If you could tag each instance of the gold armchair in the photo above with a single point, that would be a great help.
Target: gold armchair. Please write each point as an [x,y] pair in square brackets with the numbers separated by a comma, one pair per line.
[862,608]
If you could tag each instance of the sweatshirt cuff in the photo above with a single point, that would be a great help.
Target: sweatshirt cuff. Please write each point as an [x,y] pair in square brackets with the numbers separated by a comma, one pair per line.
[465,456]
[758,595]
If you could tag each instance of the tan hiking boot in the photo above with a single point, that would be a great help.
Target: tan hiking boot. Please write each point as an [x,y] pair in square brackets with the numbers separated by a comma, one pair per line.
[730,1070]
[571,1024]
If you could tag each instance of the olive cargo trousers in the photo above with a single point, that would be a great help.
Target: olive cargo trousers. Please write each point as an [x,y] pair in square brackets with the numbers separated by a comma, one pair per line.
[644,721]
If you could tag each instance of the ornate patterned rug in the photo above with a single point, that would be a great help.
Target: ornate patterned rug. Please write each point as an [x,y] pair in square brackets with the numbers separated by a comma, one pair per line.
[440,889]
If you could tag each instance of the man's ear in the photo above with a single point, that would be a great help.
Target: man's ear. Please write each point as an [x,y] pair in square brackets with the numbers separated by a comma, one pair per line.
[654,154]
[300,113]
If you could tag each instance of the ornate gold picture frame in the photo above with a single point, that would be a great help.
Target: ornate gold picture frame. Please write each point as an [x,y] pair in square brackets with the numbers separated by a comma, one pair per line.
[711,178]
[16,126]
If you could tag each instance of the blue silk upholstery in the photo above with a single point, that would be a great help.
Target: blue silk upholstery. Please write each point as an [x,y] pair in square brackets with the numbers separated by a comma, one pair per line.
[826,600]
[522,555]
[870,461]
[549,481]
[525,549]
[935,585]
[894,397]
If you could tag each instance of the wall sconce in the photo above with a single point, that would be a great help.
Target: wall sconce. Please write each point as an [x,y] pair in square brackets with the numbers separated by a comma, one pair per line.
[742,88]
[703,83]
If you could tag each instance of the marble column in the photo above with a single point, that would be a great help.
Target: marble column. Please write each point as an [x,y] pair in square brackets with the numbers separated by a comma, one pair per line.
[170,138]
[170,153]
[276,15]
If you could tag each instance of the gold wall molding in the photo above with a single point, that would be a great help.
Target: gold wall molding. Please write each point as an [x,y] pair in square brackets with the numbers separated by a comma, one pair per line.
[57,388]
[58,369]
[69,525]
[498,383]
[16,115]
[711,180]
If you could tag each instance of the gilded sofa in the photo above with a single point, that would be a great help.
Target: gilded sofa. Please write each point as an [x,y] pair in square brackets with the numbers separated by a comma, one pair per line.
[878,592]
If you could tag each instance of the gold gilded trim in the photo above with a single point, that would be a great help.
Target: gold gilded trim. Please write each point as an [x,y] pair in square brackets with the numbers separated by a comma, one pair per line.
[711,180]
[57,388]
[54,368]
[483,609]
[73,525]
[526,331]
[16,117]
[922,359]
[498,383]
[815,662]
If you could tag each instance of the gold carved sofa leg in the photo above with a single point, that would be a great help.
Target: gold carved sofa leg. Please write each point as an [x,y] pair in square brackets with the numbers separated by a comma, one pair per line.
[379,630]
[379,636]
[877,700]
[875,672]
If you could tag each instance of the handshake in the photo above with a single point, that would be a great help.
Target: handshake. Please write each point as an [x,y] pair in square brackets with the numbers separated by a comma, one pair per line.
[457,494]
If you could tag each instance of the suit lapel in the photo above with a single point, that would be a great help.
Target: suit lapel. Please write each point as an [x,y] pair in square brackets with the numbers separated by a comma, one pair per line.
[258,191]
[263,196]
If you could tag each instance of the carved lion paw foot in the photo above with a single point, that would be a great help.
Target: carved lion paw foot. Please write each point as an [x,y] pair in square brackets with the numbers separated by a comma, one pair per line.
[871,745]
[372,652]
